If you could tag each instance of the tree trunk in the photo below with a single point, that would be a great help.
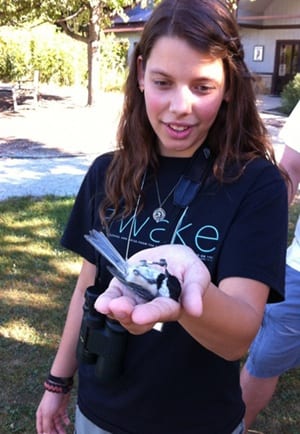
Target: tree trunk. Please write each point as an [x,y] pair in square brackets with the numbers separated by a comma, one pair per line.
[93,71]
[94,54]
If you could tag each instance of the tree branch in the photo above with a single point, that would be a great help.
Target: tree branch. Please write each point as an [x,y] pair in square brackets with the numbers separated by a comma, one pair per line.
[71,17]
[69,32]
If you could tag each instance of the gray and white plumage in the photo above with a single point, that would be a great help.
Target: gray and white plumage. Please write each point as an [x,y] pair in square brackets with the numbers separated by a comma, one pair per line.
[146,279]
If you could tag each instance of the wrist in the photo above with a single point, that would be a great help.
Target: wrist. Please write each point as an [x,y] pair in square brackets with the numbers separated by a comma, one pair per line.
[58,384]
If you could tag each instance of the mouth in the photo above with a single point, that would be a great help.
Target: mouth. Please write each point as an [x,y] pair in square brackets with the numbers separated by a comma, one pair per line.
[178,128]
[178,131]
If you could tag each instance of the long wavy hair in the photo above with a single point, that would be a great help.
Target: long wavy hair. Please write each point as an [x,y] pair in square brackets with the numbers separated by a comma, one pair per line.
[238,133]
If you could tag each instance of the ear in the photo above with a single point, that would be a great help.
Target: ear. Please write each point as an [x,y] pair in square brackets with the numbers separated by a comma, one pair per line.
[140,73]
[226,96]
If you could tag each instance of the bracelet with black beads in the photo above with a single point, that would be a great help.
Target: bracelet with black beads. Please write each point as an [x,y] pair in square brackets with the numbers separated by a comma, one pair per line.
[58,384]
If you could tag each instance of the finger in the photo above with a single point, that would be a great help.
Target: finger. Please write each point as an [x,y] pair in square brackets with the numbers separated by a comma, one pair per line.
[66,420]
[43,427]
[121,308]
[39,424]
[192,299]
[103,301]
[161,309]
[60,422]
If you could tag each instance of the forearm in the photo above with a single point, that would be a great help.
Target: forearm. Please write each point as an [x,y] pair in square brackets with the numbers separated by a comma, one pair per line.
[227,325]
[65,363]
[290,161]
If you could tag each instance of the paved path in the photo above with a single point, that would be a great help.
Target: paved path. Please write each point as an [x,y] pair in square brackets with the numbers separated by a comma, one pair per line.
[38,177]
[54,161]
[49,150]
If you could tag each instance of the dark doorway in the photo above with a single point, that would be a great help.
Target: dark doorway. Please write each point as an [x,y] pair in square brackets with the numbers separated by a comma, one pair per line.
[287,64]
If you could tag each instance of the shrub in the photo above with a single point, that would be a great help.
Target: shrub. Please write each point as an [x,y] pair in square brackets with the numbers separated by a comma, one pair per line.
[113,63]
[59,59]
[13,63]
[53,54]
[291,94]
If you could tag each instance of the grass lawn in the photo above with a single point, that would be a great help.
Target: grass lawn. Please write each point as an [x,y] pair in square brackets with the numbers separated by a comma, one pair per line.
[37,278]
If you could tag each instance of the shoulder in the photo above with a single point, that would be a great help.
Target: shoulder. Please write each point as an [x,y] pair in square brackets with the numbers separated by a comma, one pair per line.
[265,182]
[102,162]
[260,184]
[255,174]
[97,171]
[261,170]
[93,184]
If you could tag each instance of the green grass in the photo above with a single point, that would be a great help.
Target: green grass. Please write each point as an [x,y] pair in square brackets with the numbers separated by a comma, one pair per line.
[282,416]
[37,278]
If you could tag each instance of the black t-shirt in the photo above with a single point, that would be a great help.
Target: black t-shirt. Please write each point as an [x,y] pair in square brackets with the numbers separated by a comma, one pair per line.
[171,384]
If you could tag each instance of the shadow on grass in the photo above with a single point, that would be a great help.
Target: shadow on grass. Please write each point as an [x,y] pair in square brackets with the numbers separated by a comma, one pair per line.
[12,147]
[25,101]
[37,278]
[23,371]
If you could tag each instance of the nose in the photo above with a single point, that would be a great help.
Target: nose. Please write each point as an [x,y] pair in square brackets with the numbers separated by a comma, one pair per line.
[181,101]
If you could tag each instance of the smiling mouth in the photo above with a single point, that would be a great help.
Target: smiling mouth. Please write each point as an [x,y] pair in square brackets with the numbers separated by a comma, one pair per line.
[178,128]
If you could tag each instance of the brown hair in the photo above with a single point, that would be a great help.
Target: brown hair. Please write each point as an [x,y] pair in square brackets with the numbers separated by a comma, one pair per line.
[238,133]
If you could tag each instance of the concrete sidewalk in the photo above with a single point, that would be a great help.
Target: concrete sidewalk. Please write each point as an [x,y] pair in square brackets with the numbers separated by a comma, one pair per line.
[61,171]
[42,176]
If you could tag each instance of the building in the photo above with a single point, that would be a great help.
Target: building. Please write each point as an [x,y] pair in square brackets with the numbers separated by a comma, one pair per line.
[270,31]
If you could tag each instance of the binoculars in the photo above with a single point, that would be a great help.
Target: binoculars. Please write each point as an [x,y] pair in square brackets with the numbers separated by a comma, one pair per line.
[102,341]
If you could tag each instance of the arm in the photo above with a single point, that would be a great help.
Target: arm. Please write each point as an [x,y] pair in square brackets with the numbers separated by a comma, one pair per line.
[51,413]
[290,161]
[65,364]
[224,319]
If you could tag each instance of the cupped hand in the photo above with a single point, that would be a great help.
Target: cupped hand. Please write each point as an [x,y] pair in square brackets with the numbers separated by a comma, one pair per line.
[121,304]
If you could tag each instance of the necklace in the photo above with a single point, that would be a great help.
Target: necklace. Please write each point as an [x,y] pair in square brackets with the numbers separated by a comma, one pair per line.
[160,213]
[134,217]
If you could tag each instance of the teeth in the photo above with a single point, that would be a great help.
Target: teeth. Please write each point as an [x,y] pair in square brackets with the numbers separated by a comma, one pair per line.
[178,128]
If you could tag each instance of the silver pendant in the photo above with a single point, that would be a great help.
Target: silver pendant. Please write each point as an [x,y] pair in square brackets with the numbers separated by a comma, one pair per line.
[159,214]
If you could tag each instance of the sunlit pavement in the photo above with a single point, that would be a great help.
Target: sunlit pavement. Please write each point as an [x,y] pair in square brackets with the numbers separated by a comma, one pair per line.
[82,136]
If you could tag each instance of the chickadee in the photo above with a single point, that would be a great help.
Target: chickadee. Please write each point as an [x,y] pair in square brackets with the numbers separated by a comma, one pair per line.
[146,279]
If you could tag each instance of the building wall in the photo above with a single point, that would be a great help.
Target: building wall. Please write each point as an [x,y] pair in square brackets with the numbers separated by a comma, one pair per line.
[266,38]
[265,34]
[258,33]
[283,7]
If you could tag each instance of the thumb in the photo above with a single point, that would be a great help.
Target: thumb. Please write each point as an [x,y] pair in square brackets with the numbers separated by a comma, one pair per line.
[196,280]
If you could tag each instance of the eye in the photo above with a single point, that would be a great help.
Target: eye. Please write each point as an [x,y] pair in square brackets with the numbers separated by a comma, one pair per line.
[161,82]
[204,88]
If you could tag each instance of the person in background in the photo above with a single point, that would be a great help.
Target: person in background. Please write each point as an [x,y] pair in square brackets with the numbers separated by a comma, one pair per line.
[276,348]
[193,182]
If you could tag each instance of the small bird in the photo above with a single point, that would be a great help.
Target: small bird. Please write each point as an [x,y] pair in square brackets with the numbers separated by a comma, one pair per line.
[146,279]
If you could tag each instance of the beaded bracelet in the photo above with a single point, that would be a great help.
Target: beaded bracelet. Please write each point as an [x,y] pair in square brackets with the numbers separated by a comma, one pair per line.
[58,384]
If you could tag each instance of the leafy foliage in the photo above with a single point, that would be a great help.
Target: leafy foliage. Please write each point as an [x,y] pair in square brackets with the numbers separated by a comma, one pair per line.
[291,94]
[83,20]
[54,55]
[59,59]
[73,16]
[232,5]
[113,62]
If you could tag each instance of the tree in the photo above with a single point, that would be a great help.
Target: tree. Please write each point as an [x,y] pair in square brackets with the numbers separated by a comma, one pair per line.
[232,6]
[82,20]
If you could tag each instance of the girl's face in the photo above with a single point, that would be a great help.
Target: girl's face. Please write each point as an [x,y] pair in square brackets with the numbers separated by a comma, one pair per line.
[183,92]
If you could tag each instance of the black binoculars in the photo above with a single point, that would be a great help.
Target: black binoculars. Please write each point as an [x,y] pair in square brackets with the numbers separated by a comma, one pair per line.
[102,341]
